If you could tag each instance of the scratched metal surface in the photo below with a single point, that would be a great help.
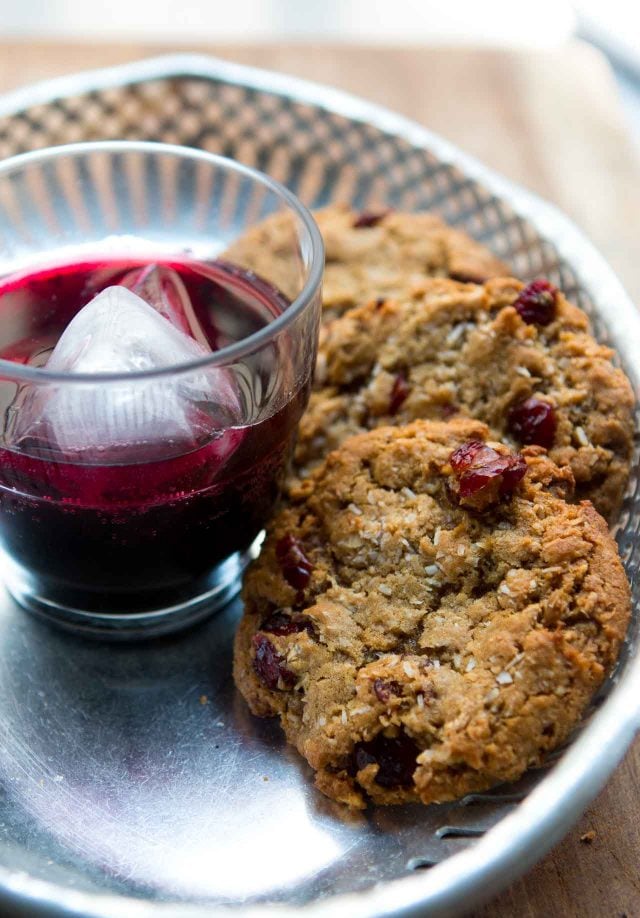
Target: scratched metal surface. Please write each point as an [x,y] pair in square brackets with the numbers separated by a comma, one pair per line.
[137,763]
[133,781]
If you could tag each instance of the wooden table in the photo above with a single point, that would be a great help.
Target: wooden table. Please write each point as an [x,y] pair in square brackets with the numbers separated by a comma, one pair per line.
[552,122]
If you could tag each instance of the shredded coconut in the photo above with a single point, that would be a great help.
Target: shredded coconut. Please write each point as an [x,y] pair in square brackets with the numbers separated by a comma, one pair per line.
[504,678]
[516,660]
[456,332]
[581,437]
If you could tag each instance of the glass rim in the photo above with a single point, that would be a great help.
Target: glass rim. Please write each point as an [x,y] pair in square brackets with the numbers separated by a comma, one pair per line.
[226,355]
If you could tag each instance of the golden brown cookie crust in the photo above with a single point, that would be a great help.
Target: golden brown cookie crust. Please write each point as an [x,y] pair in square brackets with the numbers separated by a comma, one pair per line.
[474,639]
[385,259]
[463,348]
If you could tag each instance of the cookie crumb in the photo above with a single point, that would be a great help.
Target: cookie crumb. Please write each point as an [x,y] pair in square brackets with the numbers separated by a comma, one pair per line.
[589,837]
[204,699]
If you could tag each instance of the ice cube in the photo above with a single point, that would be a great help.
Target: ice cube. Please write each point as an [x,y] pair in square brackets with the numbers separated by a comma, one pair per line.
[119,332]
[163,289]
[124,420]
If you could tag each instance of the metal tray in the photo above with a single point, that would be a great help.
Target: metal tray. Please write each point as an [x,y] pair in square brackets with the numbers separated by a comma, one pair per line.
[133,781]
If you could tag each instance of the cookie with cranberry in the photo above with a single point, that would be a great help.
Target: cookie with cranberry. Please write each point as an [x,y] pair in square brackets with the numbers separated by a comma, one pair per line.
[368,255]
[518,357]
[429,616]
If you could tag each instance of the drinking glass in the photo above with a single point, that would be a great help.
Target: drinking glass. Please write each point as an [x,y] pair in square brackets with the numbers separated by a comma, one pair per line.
[130,502]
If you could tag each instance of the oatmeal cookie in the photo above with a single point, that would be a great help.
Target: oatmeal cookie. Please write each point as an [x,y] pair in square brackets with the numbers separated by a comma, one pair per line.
[367,254]
[519,358]
[429,617]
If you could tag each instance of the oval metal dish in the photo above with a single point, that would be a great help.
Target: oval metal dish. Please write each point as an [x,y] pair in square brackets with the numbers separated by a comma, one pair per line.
[133,782]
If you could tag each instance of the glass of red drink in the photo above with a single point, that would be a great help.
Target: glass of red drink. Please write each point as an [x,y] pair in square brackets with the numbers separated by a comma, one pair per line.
[143,446]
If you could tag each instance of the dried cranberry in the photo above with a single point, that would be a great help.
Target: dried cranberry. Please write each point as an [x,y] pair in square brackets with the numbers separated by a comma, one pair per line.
[507,471]
[269,665]
[466,455]
[479,476]
[533,421]
[395,758]
[294,564]
[512,474]
[399,392]
[483,481]
[484,474]
[536,304]
[384,690]
[369,218]
[282,624]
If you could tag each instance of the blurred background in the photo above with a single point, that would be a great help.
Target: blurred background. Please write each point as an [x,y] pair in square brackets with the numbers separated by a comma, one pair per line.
[378,20]
[612,25]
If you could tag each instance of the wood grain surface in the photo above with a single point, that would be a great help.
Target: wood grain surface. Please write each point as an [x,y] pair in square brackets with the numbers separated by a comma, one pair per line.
[551,121]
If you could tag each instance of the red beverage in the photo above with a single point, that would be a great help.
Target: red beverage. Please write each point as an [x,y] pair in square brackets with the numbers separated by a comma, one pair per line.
[131,536]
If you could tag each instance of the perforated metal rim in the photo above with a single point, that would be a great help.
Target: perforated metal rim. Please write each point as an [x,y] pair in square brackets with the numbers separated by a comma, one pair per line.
[523,836]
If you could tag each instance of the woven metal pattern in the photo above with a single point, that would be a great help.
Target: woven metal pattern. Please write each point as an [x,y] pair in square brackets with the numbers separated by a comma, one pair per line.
[323,156]
[319,155]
